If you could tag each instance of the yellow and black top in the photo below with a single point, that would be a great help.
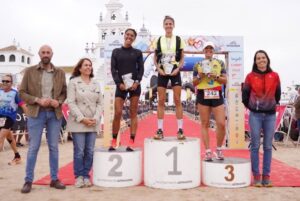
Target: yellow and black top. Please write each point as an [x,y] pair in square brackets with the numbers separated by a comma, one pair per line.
[207,66]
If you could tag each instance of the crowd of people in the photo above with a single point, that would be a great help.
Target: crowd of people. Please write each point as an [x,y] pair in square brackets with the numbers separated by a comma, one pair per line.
[43,90]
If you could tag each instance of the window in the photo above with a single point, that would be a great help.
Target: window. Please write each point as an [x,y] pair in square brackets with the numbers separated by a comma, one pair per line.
[23,59]
[2,58]
[101,52]
[12,58]
[28,60]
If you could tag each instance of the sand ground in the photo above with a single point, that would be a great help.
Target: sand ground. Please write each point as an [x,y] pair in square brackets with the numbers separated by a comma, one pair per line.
[11,181]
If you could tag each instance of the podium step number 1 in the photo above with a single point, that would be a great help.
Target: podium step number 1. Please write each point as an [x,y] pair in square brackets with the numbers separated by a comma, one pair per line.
[172,164]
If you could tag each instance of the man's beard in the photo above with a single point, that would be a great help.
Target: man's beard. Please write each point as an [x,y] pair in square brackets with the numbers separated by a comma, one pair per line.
[46,60]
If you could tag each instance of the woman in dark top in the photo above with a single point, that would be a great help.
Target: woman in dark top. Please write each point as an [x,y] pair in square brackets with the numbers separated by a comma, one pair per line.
[127,68]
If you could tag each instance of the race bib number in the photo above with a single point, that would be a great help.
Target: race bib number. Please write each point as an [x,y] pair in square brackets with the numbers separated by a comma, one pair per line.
[211,94]
[2,121]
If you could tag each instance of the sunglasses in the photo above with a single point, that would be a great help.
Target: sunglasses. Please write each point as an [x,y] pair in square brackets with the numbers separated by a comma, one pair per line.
[6,81]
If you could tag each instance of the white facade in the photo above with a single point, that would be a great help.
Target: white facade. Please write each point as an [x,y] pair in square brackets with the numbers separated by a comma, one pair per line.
[13,60]
[113,23]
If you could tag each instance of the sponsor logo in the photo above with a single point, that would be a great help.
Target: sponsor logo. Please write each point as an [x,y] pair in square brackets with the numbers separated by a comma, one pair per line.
[236,84]
[236,65]
[233,44]
[236,59]
[236,70]
[115,43]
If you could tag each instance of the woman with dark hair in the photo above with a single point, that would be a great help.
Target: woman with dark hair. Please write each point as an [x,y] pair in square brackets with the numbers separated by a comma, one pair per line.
[127,69]
[169,59]
[261,93]
[85,104]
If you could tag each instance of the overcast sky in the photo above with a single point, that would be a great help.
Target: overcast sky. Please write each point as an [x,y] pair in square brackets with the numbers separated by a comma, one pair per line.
[271,25]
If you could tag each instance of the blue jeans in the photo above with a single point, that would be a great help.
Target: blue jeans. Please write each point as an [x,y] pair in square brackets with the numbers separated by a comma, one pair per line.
[48,120]
[261,123]
[84,143]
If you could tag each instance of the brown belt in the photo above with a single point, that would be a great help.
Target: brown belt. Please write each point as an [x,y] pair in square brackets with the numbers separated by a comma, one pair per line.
[48,109]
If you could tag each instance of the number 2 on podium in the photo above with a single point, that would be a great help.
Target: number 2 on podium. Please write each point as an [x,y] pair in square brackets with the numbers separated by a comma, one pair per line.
[113,171]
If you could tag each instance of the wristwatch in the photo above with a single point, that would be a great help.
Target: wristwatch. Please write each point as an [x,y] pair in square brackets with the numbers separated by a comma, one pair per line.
[136,81]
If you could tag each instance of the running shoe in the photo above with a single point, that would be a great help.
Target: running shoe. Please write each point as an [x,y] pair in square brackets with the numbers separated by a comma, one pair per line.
[257,181]
[15,161]
[219,154]
[113,145]
[180,135]
[266,182]
[159,135]
[208,156]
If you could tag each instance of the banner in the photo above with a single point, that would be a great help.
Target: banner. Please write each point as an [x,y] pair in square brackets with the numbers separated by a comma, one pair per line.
[65,110]
[21,120]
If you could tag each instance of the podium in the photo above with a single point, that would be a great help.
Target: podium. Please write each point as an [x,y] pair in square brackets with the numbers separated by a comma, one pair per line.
[227,173]
[118,168]
[171,163]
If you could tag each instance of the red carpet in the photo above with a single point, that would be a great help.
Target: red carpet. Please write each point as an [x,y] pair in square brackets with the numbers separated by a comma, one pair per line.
[282,174]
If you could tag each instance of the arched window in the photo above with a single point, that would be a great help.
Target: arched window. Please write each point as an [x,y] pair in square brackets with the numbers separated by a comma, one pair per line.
[28,60]
[12,58]
[23,59]
[2,58]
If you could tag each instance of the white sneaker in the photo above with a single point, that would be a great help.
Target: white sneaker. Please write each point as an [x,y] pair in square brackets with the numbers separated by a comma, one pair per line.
[219,154]
[79,183]
[87,182]
[208,156]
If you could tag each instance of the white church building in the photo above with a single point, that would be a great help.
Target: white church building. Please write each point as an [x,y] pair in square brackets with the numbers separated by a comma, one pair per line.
[14,59]
[113,22]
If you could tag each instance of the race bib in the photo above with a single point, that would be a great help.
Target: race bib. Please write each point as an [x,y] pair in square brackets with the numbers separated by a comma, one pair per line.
[2,121]
[211,94]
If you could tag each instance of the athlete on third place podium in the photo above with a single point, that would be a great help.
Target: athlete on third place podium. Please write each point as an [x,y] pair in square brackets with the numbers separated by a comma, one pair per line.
[127,69]
[208,76]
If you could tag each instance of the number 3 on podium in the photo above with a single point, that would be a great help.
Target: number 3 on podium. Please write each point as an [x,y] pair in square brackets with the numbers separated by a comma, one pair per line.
[230,176]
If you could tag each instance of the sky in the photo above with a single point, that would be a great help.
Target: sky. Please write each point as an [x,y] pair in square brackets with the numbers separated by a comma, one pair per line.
[67,25]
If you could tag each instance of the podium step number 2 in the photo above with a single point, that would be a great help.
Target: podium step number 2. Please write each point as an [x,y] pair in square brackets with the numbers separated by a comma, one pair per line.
[118,168]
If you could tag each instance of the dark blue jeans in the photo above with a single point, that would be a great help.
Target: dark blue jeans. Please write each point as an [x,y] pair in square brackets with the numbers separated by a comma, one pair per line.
[261,123]
[84,143]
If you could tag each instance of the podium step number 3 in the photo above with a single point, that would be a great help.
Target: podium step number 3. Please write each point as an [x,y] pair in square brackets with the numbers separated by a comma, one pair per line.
[230,173]
[117,168]
[172,164]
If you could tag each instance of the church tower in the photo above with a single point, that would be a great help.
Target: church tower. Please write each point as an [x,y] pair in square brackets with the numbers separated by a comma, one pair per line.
[114,23]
